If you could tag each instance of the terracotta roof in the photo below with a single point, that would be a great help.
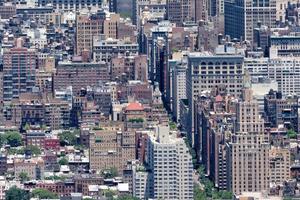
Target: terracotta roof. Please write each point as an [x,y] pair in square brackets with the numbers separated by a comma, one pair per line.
[134,106]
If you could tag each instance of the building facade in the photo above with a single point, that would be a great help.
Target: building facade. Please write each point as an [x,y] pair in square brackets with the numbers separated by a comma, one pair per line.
[169,178]
[208,71]
[241,17]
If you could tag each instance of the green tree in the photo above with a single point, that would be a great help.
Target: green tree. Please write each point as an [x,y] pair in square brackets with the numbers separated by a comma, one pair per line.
[23,176]
[172,125]
[198,193]
[68,138]
[226,195]
[27,127]
[34,149]
[55,178]
[13,138]
[292,134]
[2,139]
[110,173]
[18,150]
[109,194]
[15,193]
[63,161]
[43,194]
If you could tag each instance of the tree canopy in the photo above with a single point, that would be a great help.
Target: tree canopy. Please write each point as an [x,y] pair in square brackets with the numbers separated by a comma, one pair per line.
[16,193]
[63,161]
[68,138]
[13,138]
[43,194]
[33,149]
[110,173]
[23,177]
[292,134]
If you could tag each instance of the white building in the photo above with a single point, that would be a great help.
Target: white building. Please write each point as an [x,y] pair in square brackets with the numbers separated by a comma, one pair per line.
[140,182]
[104,50]
[178,88]
[152,7]
[171,166]
[260,87]
[284,70]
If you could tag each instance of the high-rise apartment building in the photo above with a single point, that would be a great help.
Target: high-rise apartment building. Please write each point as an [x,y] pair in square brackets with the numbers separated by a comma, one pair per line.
[214,114]
[19,67]
[206,71]
[243,16]
[170,162]
[180,11]
[88,27]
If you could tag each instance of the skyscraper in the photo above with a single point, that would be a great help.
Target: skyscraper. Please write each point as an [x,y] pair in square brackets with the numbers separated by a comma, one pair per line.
[248,150]
[242,16]
[206,71]
[19,65]
[171,166]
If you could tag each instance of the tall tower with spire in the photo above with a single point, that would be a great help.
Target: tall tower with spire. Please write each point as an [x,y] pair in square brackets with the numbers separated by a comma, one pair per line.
[248,150]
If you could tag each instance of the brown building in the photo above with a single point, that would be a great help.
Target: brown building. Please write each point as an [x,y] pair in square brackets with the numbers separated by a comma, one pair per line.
[83,181]
[180,11]
[129,68]
[111,147]
[140,91]
[214,113]
[111,26]
[90,114]
[87,28]
[33,167]
[62,188]
[127,31]
[280,163]
[34,109]
[35,138]
[80,75]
